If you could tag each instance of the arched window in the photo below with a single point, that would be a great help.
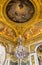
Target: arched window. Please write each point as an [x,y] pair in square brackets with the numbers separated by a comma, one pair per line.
[38,50]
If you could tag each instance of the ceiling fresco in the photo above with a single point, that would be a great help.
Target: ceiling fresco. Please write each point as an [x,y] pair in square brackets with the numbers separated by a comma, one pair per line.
[20,19]
[20,10]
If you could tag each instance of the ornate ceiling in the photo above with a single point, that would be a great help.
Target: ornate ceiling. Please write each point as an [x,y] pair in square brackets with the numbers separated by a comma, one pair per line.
[24,18]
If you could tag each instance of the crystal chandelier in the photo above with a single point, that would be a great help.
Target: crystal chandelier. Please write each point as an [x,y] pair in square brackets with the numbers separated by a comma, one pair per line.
[21,51]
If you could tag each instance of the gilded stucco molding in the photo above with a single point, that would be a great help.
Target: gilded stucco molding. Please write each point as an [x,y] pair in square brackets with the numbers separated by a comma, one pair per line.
[33,31]
[7,31]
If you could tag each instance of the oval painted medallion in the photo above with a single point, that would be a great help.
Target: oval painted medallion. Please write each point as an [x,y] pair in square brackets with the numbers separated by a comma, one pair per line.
[20,11]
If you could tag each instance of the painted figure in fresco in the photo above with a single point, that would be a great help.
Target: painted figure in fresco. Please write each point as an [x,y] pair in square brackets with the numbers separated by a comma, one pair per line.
[20,10]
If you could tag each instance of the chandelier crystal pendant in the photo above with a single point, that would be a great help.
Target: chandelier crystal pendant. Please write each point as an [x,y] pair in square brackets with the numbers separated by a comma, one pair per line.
[21,52]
